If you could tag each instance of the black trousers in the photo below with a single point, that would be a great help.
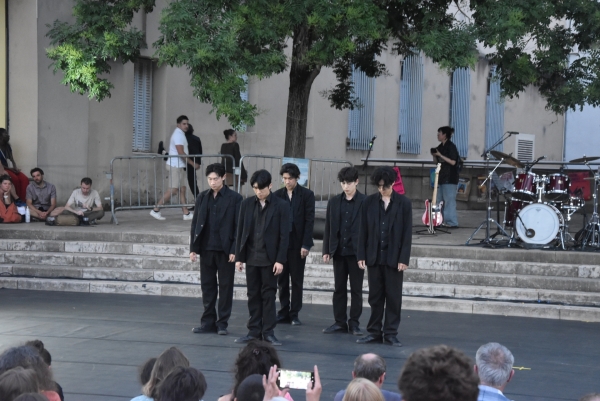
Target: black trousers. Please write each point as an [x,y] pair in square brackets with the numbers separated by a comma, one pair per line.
[191,176]
[216,279]
[262,291]
[345,267]
[293,269]
[385,298]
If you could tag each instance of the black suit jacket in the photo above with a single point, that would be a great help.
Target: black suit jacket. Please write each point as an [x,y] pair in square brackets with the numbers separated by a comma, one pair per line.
[400,234]
[304,214]
[276,234]
[228,213]
[332,223]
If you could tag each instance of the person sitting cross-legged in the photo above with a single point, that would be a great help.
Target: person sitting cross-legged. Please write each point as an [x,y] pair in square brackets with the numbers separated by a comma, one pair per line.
[84,203]
[40,196]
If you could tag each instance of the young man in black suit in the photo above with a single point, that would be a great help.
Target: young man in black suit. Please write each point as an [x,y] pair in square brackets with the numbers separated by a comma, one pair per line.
[212,237]
[301,207]
[384,245]
[262,243]
[340,243]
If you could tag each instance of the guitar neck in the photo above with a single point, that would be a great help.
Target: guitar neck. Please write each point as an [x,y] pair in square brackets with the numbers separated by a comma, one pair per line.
[435,188]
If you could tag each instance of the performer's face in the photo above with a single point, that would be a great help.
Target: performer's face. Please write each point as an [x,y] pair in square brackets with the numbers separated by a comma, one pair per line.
[384,190]
[289,182]
[349,187]
[215,182]
[262,194]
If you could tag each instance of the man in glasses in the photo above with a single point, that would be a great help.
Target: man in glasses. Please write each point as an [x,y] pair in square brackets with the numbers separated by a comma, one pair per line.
[384,245]
[262,244]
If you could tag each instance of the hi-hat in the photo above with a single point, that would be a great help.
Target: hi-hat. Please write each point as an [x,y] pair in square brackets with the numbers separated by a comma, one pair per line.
[508,159]
[585,159]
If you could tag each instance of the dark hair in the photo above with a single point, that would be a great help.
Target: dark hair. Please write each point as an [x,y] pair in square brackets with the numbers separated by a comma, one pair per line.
[86,181]
[386,174]
[190,130]
[33,170]
[370,368]
[181,118]
[262,178]
[251,389]
[31,397]
[145,370]
[228,133]
[348,174]
[168,360]
[448,131]
[291,169]
[182,384]
[438,373]
[5,177]
[2,131]
[39,346]
[28,358]
[216,168]
[17,381]
[255,358]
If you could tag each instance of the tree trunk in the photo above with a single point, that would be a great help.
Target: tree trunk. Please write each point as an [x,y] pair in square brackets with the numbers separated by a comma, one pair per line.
[302,77]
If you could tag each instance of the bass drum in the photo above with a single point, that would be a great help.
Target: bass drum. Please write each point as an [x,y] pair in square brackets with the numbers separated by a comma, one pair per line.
[539,223]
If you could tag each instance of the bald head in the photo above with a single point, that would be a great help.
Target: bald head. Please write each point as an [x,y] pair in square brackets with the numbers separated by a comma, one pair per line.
[371,367]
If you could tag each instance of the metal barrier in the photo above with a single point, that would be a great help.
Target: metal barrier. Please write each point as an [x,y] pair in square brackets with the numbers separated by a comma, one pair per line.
[138,182]
[477,163]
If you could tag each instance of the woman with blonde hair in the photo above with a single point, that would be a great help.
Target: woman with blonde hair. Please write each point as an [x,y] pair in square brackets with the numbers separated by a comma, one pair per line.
[165,363]
[361,389]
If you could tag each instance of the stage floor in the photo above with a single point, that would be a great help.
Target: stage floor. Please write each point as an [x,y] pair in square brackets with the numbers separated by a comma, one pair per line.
[98,340]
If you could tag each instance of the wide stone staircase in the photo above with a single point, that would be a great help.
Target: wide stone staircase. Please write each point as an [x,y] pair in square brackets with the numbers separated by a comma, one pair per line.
[532,283]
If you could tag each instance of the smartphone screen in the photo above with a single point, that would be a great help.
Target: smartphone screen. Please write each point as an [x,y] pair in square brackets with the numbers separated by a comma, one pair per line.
[295,379]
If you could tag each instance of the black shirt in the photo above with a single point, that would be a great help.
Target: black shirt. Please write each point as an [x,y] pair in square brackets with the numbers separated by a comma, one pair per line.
[211,240]
[345,234]
[448,173]
[384,229]
[194,146]
[292,203]
[257,250]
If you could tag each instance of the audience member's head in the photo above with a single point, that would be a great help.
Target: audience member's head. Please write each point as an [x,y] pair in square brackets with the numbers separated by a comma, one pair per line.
[438,373]
[182,384]
[4,137]
[145,370]
[5,182]
[362,389]
[256,357]
[590,397]
[86,186]
[230,135]
[165,363]
[29,358]
[493,364]
[251,389]
[17,381]
[39,346]
[371,367]
[31,397]
[37,174]
[190,130]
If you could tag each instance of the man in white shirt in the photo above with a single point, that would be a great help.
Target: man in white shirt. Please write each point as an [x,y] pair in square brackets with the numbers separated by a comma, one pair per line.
[494,366]
[175,166]
[83,207]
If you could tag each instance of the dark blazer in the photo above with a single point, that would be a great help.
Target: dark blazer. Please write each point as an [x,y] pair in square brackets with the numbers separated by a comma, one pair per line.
[400,230]
[332,223]
[304,214]
[228,214]
[277,230]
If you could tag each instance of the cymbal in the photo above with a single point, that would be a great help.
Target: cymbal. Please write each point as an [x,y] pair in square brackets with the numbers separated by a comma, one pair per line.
[585,159]
[508,159]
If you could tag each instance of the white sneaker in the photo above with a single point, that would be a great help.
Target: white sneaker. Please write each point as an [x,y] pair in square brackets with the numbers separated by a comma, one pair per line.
[157,215]
[188,216]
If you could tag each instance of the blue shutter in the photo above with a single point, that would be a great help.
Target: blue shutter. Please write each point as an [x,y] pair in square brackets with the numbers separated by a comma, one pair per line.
[494,112]
[361,119]
[142,106]
[411,105]
[460,93]
[244,96]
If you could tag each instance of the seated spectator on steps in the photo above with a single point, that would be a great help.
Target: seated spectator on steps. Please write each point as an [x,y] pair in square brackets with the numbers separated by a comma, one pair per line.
[182,384]
[83,203]
[39,346]
[17,381]
[8,208]
[494,365]
[371,367]
[19,179]
[41,196]
[165,363]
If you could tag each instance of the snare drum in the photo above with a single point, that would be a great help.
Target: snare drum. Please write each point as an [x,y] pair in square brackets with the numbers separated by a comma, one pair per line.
[557,187]
[511,212]
[525,187]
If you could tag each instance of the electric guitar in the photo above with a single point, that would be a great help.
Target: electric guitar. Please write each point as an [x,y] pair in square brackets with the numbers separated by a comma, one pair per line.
[433,216]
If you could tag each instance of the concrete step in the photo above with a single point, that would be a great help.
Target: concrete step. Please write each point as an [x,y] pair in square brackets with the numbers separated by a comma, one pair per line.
[94,234]
[537,310]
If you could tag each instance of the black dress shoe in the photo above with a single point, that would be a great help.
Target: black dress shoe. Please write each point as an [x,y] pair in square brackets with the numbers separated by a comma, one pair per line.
[245,339]
[272,340]
[369,339]
[222,332]
[204,329]
[335,328]
[296,322]
[355,331]
[392,340]
[283,319]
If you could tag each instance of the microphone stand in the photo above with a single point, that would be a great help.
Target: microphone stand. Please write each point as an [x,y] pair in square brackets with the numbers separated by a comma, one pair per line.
[366,161]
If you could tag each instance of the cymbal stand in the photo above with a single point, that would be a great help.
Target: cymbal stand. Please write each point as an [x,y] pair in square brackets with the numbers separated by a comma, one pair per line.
[488,238]
[591,232]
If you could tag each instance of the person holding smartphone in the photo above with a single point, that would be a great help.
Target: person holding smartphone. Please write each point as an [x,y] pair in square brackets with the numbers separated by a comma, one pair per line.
[447,154]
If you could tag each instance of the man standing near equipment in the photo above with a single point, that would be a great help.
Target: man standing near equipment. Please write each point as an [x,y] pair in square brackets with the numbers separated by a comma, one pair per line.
[447,154]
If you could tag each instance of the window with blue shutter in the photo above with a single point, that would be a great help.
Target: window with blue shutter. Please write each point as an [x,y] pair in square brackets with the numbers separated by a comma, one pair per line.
[411,105]
[142,106]
[361,119]
[460,96]
[494,112]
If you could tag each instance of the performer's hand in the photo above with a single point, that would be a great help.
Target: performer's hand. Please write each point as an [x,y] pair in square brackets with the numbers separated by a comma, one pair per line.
[402,267]
[313,393]
[239,266]
[303,253]
[326,258]
[193,257]
[231,257]
[362,264]
[277,268]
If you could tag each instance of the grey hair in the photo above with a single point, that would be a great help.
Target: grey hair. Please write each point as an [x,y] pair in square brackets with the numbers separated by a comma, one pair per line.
[494,364]
[369,368]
